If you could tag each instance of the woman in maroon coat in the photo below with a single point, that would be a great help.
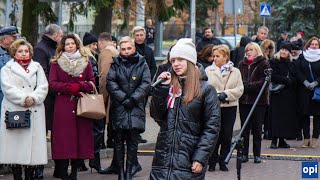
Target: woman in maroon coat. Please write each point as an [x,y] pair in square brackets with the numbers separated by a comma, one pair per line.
[72,137]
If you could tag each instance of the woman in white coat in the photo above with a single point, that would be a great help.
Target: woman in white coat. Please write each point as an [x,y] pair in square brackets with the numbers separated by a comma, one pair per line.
[228,83]
[24,87]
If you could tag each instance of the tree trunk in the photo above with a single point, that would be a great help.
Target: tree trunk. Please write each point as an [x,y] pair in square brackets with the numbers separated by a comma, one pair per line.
[30,21]
[102,22]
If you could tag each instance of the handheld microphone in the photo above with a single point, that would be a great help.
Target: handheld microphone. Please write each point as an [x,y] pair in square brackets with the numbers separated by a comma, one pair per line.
[159,80]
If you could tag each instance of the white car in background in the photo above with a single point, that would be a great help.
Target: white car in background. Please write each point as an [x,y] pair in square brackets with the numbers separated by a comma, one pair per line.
[229,40]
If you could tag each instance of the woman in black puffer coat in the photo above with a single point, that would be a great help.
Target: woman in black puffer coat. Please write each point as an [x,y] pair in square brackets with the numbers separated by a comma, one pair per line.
[188,113]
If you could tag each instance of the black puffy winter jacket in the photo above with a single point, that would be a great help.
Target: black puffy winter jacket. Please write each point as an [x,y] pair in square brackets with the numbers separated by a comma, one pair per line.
[128,79]
[188,133]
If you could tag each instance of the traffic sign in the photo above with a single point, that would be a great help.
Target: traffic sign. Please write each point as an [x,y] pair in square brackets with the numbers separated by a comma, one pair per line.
[265,10]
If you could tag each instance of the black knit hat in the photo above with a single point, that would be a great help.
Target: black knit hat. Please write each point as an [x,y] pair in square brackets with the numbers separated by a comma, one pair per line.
[296,45]
[287,46]
[89,38]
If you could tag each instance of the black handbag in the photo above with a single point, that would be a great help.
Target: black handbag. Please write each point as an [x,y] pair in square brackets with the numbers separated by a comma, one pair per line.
[18,119]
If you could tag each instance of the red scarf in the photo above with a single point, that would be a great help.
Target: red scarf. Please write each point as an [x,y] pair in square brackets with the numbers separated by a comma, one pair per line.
[24,63]
[250,59]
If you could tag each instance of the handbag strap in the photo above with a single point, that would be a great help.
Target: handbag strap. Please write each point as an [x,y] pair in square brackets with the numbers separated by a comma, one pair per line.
[35,87]
[310,70]
[224,88]
[94,87]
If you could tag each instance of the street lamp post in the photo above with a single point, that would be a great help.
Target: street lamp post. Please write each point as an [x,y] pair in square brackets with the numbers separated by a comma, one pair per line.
[193,20]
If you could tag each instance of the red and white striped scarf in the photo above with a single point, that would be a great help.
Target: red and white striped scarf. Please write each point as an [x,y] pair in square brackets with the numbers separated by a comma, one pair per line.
[172,97]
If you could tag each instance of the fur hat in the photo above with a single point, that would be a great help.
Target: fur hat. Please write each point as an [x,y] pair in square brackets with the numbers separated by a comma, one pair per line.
[287,46]
[185,49]
[89,38]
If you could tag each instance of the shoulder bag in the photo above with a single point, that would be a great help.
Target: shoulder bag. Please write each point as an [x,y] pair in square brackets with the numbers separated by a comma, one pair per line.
[91,105]
[316,93]
[19,119]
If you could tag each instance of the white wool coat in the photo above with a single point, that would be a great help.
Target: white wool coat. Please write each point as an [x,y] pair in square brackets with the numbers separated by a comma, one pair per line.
[233,86]
[26,146]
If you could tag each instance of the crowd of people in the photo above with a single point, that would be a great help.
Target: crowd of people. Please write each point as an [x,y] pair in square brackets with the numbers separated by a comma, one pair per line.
[196,103]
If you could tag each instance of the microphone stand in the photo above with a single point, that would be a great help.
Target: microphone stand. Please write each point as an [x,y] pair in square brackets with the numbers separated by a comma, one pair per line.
[238,141]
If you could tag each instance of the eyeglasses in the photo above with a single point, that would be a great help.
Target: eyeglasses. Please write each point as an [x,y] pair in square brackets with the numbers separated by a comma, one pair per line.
[249,50]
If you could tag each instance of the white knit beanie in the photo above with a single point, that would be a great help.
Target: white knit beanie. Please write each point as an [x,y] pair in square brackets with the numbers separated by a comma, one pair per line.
[184,49]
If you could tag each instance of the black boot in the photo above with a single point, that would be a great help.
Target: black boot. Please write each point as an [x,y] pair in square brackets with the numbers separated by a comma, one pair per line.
[274,143]
[62,167]
[119,156]
[95,164]
[223,166]
[82,166]
[136,167]
[140,140]
[74,169]
[132,147]
[113,168]
[283,143]
[212,166]
[57,168]
[17,173]
[29,173]
[38,173]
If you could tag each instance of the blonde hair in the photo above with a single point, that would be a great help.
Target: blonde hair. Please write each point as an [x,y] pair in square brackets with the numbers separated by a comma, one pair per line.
[270,45]
[255,46]
[16,44]
[88,51]
[126,39]
[223,49]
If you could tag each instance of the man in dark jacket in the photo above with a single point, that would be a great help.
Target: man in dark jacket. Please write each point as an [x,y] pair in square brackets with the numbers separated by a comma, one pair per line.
[262,34]
[128,84]
[43,52]
[207,39]
[139,34]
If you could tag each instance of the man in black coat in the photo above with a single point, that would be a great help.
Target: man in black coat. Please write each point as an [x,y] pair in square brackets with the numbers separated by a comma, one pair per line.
[207,39]
[262,34]
[139,34]
[128,84]
[43,53]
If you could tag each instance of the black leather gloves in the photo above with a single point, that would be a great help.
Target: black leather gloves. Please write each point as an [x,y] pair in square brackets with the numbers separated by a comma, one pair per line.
[128,103]
[222,97]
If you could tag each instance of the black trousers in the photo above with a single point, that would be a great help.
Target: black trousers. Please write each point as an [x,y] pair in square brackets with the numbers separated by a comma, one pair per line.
[98,134]
[131,139]
[316,127]
[228,117]
[254,125]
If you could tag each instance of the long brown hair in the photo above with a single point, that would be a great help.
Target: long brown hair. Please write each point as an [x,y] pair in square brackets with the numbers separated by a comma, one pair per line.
[307,45]
[191,87]
[61,46]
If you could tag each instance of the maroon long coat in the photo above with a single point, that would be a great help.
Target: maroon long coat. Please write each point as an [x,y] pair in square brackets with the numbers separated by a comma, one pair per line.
[72,136]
